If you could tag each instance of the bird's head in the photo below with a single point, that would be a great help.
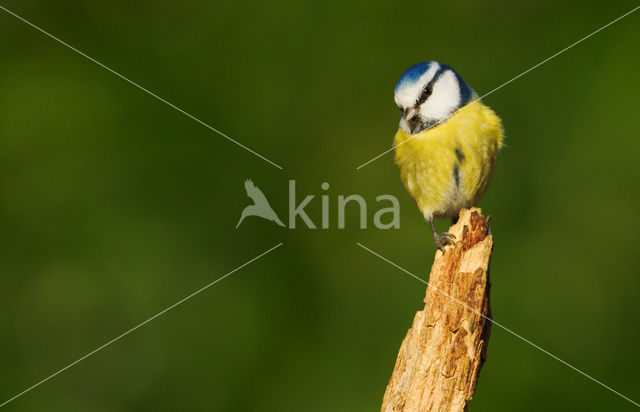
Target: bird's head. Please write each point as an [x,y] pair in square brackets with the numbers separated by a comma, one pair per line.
[427,93]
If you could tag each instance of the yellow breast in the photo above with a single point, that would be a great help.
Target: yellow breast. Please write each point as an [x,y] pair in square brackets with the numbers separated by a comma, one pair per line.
[449,166]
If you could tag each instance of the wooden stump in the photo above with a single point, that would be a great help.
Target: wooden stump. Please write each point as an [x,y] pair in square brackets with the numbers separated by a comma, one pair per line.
[440,358]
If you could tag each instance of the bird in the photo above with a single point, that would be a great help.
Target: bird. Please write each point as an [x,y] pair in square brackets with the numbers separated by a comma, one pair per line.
[446,144]
[260,206]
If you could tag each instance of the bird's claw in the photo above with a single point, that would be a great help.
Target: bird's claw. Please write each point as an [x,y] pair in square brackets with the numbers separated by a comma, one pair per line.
[443,240]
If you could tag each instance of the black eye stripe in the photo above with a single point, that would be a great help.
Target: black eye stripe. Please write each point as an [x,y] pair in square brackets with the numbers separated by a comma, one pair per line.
[426,92]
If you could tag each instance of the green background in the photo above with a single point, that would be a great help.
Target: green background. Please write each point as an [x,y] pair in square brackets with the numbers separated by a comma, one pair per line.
[114,206]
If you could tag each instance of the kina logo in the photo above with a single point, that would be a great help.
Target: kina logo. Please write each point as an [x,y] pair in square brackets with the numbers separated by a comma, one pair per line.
[260,206]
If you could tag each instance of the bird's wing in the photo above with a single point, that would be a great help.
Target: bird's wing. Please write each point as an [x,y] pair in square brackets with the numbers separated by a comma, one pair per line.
[254,193]
[249,186]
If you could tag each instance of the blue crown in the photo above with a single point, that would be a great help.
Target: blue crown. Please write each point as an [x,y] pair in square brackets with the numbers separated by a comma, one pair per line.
[413,73]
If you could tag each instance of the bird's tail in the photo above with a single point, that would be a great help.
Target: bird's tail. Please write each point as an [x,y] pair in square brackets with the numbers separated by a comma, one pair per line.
[277,220]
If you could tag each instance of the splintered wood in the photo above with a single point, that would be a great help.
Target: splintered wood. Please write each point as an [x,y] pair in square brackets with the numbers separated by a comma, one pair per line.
[440,358]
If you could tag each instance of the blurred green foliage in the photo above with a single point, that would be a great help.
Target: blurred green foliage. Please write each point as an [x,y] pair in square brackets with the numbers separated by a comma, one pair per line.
[115,206]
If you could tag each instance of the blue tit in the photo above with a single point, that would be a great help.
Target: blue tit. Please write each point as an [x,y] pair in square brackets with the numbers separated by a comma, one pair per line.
[446,143]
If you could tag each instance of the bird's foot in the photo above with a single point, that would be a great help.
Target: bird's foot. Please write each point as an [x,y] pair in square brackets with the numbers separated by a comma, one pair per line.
[443,240]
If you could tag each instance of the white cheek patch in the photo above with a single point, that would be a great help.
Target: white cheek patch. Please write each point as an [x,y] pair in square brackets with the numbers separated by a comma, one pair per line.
[444,99]
[407,94]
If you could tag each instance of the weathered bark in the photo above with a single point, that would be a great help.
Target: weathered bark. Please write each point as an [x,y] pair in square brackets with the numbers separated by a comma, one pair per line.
[440,358]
